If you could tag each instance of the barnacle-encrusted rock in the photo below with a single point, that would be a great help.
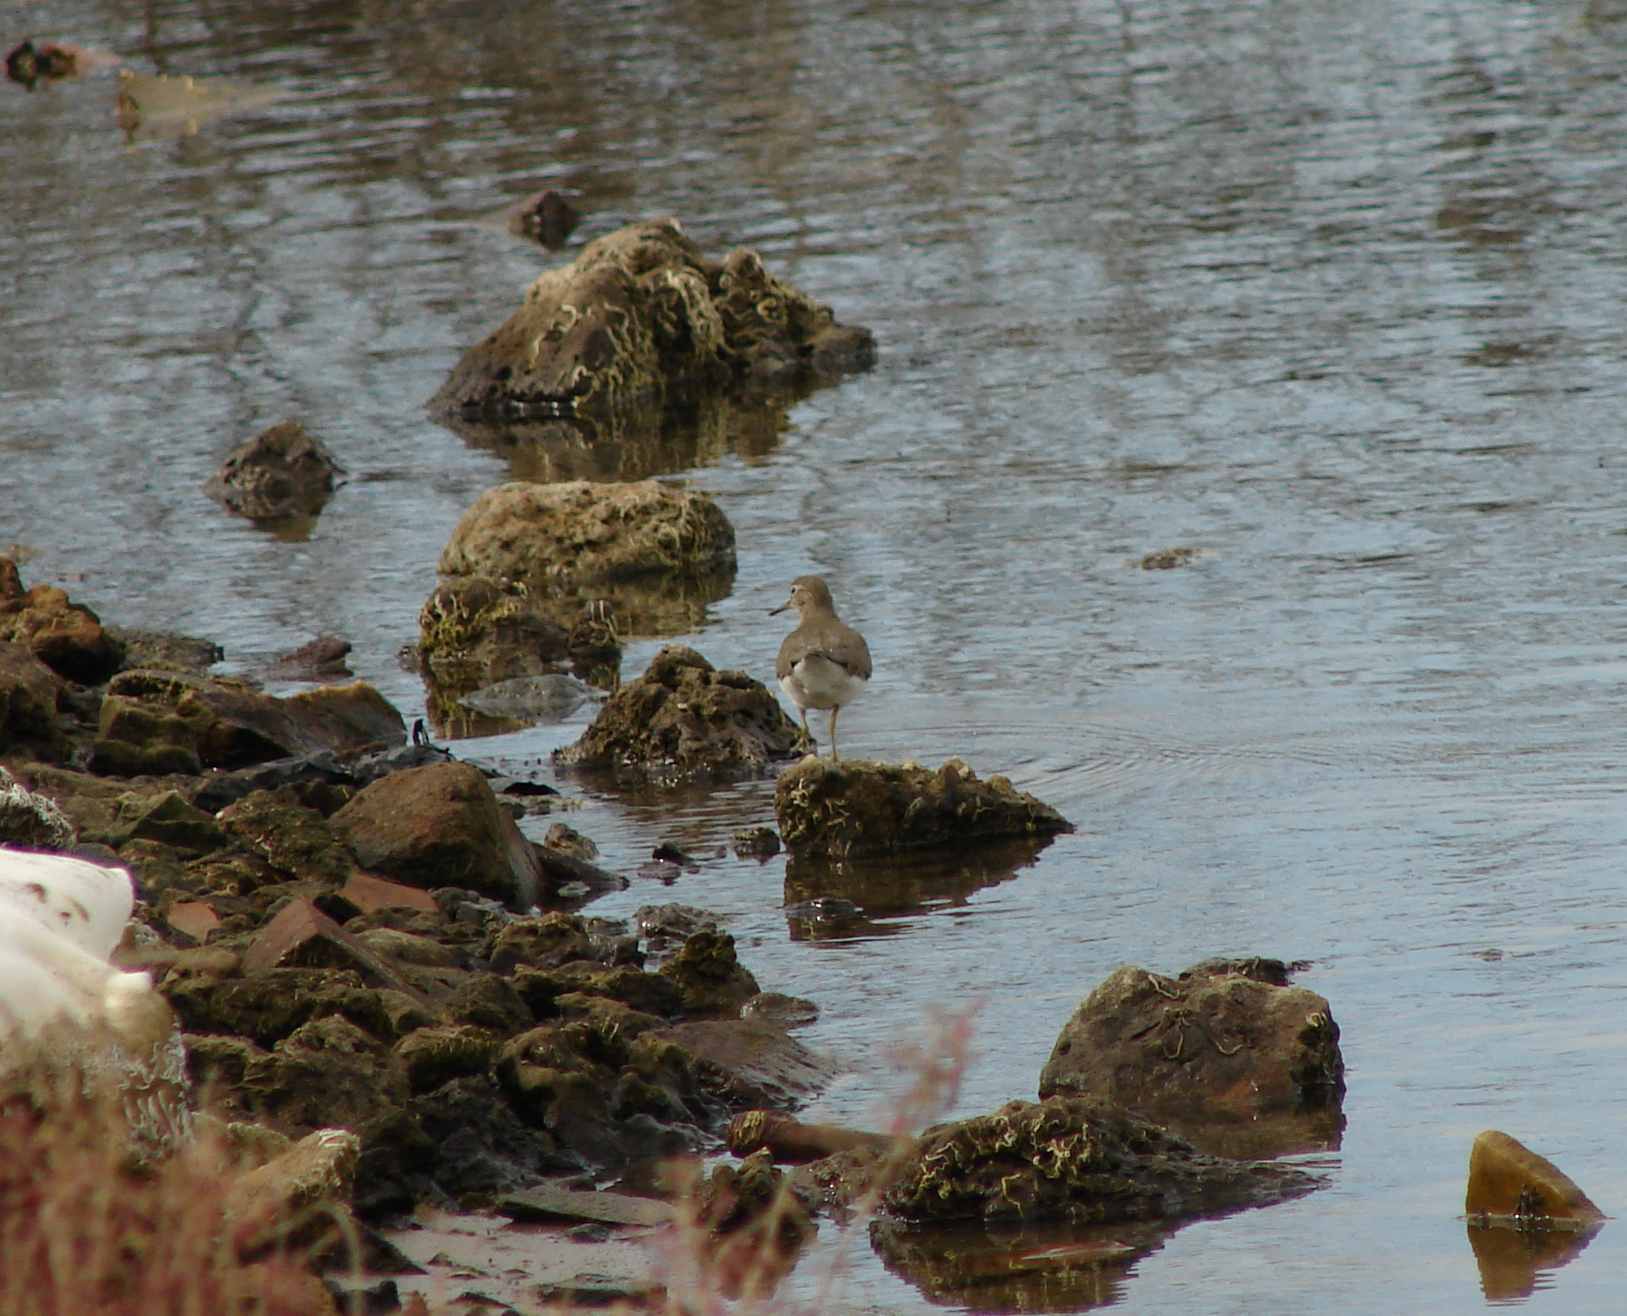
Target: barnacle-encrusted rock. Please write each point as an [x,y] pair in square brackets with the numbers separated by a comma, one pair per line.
[852,808]
[641,317]
[683,718]
[1227,1054]
[708,974]
[1075,1159]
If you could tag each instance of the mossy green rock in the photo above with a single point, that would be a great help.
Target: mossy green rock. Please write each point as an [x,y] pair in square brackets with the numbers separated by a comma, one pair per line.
[1073,1159]
[852,808]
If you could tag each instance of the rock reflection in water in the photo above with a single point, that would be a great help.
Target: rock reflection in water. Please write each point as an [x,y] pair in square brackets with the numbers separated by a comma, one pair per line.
[1513,1261]
[827,901]
[1061,1268]
[640,445]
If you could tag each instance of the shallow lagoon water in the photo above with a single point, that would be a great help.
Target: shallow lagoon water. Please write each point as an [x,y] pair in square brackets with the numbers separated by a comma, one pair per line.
[1331,293]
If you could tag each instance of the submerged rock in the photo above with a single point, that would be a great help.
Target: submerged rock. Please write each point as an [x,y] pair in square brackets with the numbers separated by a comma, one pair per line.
[685,719]
[1227,1054]
[1075,1159]
[281,473]
[642,318]
[851,808]
[547,217]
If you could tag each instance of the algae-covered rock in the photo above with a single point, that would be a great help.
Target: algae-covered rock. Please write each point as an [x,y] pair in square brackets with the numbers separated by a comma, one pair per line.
[30,693]
[1075,1159]
[683,719]
[476,632]
[1227,1054]
[642,318]
[709,974]
[526,554]
[851,808]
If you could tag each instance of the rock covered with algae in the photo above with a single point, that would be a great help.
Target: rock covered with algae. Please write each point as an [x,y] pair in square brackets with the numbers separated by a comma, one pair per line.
[589,561]
[1075,1159]
[643,318]
[852,808]
[685,719]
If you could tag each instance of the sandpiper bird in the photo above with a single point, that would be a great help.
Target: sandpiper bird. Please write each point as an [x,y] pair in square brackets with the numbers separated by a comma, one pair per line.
[824,663]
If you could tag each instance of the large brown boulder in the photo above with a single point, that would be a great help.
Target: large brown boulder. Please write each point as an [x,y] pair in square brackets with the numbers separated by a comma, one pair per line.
[1074,1159]
[1227,1054]
[441,826]
[851,808]
[684,719]
[66,636]
[642,318]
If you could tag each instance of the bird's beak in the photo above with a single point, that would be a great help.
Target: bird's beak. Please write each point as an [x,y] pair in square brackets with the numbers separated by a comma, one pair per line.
[775,612]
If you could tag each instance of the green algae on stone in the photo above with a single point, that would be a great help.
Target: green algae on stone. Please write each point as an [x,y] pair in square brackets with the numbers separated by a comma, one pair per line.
[685,719]
[853,808]
[1074,1159]
[642,318]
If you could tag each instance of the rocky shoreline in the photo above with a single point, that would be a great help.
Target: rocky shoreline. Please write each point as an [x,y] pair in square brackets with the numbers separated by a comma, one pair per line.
[397,1003]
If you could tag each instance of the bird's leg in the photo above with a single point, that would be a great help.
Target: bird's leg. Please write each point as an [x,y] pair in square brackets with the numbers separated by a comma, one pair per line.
[835,709]
[808,742]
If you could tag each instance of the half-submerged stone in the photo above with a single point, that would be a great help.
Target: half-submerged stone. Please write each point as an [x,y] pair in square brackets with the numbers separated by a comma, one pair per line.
[1510,1185]
[642,318]
[1525,1217]
[684,719]
[281,473]
[1075,1159]
[853,808]
[1227,1054]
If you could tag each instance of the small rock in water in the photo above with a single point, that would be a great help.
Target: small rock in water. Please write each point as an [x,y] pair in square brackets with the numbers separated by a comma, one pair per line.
[756,843]
[1512,1186]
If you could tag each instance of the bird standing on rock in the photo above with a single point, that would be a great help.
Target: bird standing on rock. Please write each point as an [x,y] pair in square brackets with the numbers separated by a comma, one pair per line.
[824,663]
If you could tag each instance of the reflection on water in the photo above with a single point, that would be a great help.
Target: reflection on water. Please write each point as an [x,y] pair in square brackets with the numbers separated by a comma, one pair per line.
[1514,1263]
[1330,293]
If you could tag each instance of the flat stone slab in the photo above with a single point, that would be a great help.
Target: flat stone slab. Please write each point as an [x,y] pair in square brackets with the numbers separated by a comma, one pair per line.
[552,1202]
[302,936]
[370,894]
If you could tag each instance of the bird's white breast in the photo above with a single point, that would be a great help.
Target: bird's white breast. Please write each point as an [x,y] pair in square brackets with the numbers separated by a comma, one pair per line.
[816,682]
